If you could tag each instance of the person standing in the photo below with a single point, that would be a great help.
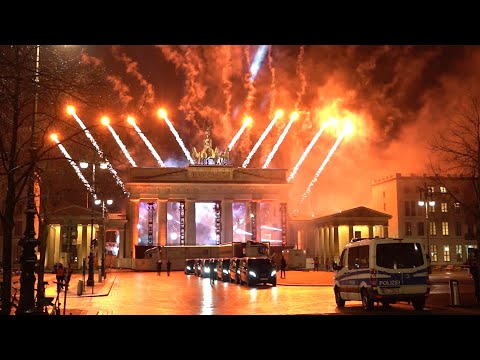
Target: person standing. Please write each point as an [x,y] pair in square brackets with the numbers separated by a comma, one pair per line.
[316,264]
[159,267]
[169,266]
[213,273]
[283,267]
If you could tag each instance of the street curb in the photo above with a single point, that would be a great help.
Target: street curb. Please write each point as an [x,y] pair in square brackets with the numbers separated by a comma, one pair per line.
[102,293]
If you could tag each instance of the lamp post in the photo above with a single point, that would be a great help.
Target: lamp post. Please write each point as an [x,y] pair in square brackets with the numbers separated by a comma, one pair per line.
[104,210]
[426,200]
[28,242]
[93,241]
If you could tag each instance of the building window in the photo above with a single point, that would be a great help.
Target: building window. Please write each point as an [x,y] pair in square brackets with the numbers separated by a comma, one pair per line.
[470,231]
[408,229]
[458,228]
[384,194]
[444,207]
[413,207]
[456,207]
[445,228]
[458,253]
[431,189]
[384,207]
[420,229]
[358,234]
[407,208]
[443,189]
[433,253]
[446,253]
[431,208]
[433,229]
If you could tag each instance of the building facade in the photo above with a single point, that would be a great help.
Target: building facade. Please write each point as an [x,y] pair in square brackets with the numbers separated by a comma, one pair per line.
[326,236]
[204,205]
[440,218]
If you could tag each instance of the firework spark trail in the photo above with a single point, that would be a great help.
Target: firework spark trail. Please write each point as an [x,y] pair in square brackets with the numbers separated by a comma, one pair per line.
[320,169]
[248,83]
[273,91]
[74,166]
[100,153]
[301,75]
[293,117]
[227,87]
[306,152]
[188,101]
[119,142]
[147,142]
[177,137]
[239,133]
[260,140]
[257,61]
[132,68]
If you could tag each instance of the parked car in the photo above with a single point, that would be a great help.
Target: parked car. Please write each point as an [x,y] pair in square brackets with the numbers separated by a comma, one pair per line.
[223,272]
[234,270]
[189,266]
[257,270]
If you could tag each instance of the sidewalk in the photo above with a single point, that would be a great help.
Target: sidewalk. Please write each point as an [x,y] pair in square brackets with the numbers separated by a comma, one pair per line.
[99,289]
[306,278]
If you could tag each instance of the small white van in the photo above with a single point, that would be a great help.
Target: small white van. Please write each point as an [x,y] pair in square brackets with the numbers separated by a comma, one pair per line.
[383,270]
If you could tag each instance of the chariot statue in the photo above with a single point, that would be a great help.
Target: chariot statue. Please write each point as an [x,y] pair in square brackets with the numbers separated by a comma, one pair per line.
[208,155]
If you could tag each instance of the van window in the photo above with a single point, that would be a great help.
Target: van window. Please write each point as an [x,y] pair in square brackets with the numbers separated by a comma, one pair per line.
[352,257]
[363,257]
[399,255]
[343,258]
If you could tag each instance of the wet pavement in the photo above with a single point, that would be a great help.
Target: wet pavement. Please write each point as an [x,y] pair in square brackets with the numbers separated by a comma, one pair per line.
[127,292]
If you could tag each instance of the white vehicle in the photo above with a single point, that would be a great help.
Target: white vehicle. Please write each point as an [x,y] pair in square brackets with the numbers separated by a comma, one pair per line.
[383,270]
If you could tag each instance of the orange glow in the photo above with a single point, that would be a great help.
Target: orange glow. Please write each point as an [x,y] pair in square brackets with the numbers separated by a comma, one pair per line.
[294,116]
[70,110]
[162,112]
[247,121]
[105,120]
[54,137]
[348,127]
[279,113]
[131,120]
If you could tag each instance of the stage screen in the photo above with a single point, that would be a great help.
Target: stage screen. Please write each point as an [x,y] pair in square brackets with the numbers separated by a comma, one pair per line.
[173,223]
[239,218]
[143,224]
[270,222]
[205,222]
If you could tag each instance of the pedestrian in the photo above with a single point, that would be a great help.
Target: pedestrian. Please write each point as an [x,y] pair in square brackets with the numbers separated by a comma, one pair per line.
[283,267]
[159,267]
[60,276]
[473,269]
[169,266]
[316,264]
[213,272]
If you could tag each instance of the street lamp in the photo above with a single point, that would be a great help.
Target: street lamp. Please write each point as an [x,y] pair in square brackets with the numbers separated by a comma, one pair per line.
[28,242]
[91,256]
[426,200]
[104,205]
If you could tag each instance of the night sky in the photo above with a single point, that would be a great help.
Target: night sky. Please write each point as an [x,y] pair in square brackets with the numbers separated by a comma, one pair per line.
[396,96]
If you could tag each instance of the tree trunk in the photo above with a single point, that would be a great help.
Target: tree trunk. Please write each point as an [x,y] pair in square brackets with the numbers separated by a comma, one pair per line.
[7,247]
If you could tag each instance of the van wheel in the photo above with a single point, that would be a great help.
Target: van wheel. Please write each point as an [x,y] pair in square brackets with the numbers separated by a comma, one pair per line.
[418,304]
[274,283]
[338,298]
[386,304]
[367,303]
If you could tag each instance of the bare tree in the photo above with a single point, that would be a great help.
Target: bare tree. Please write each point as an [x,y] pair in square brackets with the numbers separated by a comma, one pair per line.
[59,78]
[457,151]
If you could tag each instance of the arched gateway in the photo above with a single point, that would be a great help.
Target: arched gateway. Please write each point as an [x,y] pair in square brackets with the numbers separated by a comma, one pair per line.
[202,209]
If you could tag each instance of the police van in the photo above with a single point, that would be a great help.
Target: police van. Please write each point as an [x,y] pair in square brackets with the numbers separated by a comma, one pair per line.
[384,270]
